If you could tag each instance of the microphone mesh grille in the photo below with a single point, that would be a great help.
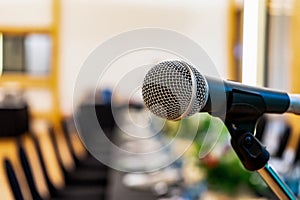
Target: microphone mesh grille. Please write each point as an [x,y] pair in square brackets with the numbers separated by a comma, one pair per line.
[167,90]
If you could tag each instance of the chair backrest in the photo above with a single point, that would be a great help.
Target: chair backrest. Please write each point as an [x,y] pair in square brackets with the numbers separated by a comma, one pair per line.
[51,187]
[33,160]
[9,151]
[28,173]
[47,154]
[62,151]
[12,178]
[55,152]
[297,157]
[73,140]
[275,133]
[284,139]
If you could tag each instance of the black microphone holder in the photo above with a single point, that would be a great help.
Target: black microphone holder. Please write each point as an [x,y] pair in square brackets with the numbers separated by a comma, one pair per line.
[253,154]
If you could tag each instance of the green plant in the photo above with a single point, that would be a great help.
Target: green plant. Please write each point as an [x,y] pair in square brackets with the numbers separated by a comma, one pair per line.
[223,170]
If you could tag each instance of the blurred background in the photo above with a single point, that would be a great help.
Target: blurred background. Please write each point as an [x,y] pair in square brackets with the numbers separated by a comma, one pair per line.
[44,44]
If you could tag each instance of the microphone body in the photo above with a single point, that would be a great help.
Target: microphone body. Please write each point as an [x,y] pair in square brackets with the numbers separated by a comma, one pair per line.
[243,101]
[175,90]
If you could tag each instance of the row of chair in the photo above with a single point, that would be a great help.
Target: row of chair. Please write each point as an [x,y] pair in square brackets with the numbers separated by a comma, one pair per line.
[48,163]
[276,135]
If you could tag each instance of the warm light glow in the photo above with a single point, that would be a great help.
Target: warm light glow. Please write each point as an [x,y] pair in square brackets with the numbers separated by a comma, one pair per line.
[250,42]
[1,53]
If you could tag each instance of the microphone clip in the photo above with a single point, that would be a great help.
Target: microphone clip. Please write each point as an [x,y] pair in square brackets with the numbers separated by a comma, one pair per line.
[254,155]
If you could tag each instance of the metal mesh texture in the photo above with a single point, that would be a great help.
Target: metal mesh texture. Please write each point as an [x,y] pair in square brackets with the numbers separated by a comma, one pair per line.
[167,90]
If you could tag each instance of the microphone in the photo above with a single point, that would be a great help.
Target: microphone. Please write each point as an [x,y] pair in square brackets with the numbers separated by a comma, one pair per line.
[175,90]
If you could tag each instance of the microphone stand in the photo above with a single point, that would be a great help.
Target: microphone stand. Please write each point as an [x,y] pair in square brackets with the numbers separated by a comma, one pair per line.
[253,154]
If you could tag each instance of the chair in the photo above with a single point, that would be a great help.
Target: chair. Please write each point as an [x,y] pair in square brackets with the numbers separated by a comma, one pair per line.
[67,192]
[277,132]
[12,178]
[13,183]
[73,141]
[297,157]
[41,165]
[26,176]
[13,123]
[75,181]
[37,181]
[81,156]
[77,175]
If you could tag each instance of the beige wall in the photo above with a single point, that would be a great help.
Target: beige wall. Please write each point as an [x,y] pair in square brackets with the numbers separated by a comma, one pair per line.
[85,24]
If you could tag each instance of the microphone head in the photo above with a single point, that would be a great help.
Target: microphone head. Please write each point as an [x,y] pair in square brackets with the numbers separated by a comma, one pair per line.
[174,90]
